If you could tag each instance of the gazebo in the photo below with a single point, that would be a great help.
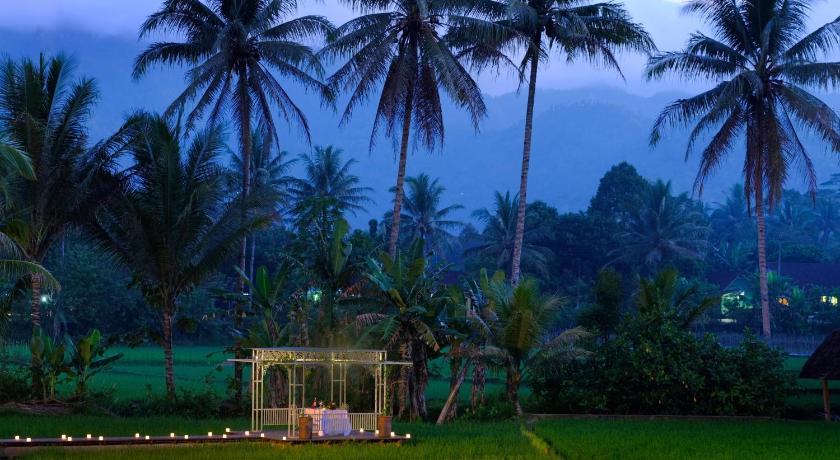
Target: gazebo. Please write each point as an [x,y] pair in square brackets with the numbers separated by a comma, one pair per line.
[295,361]
[824,364]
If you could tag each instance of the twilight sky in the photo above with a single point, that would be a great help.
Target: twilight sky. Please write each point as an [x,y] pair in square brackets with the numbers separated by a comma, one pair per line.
[662,18]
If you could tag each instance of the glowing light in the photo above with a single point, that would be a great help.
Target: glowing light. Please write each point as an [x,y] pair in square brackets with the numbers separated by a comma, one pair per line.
[101,438]
[171,435]
[408,436]
[88,436]
[209,434]
[136,435]
[262,435]
[284,438]
[186,436]
[147,437]
[376,432]
[28,439]
[69,438]
[247,433]
[224,436]
[361,430]
[17,438]
[320,433]
[64,437]
[227,430]
[393,434]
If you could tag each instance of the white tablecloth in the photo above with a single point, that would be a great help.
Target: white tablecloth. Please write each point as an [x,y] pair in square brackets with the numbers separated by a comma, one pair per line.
[331,422]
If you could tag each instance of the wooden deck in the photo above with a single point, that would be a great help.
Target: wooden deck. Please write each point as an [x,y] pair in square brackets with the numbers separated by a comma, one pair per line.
[12,447]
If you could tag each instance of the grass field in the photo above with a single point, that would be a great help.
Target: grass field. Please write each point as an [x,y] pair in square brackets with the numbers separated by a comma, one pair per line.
[200,368]
[566,439]
[632,440]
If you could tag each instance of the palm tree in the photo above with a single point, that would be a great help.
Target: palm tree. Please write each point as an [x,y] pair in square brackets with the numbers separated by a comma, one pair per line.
[337,279]
[498,237]
[421,216]
[731,218]
[174,225]
[328,189]
[521,332]
[826,218]
[411,302]
[668,299]
[14,270]
[233,49]
[269,177]
[666,227]
[577,29]
[764,63]
[43,115]
[469,331]
[397,44]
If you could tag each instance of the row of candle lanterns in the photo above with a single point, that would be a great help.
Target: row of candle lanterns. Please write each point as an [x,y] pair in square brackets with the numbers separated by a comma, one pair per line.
[66,438]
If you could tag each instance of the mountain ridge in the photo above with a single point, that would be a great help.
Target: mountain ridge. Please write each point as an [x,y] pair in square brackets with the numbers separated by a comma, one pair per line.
[578,133]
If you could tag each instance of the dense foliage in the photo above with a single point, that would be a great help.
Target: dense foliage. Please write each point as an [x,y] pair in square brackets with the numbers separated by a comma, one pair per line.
[653,364]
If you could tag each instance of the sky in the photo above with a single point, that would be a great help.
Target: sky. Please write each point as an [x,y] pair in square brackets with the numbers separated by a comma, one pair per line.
[662,18]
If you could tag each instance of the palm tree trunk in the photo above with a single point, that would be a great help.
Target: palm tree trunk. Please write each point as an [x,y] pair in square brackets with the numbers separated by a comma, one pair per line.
[398,196]
[420,381]
[167,348]
[35,301]
[762,259]
[526,163]
[35,314]
[245,145]
[455,366]
[450,408]
[403,382]
[479,377]
[253,256]
[514,377]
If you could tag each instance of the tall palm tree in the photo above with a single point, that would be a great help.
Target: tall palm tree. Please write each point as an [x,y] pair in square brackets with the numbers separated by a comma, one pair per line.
[398,45]
[328,189]
[666,227]
[422,217]
[174,224]
[498,237]
[43,114]
[233,49]
[577,29]
[764,63]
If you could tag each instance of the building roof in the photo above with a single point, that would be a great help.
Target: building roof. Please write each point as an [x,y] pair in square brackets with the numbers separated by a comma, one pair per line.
[825,362]
[818,274]
[801,273]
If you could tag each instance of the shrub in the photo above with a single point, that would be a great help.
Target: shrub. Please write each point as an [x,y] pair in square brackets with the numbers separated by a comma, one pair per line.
[663,369]
[203,404]
[14,384]
[496,407]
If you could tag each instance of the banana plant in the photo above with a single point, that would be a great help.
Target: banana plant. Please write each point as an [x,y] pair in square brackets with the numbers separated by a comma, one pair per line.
[48,362]
[87,358]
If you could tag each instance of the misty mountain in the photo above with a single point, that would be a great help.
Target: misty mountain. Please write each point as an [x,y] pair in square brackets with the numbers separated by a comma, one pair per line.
[578,133]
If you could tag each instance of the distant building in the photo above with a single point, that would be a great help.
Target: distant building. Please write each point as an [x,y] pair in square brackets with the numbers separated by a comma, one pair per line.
[737,289]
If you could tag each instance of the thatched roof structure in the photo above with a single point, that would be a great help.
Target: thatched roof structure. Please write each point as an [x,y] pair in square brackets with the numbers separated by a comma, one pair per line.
[825,362]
